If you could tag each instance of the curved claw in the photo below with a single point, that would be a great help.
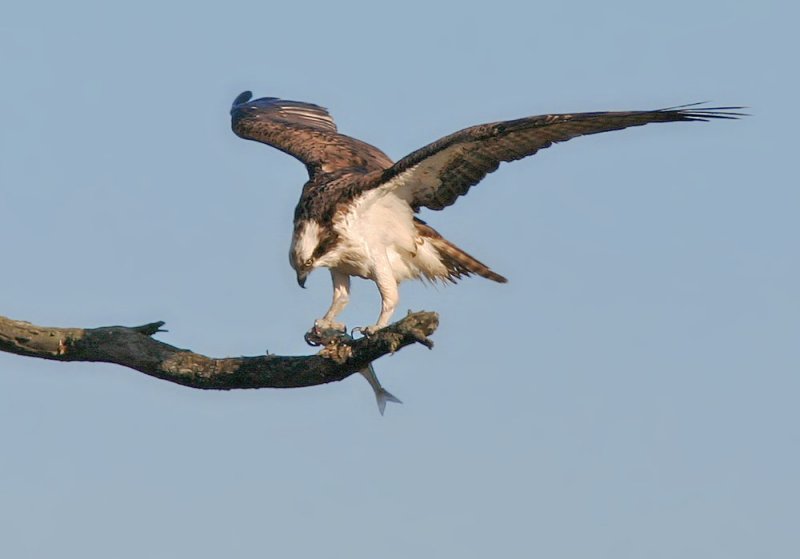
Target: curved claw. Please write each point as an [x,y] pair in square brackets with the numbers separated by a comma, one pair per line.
[323,333]
[313,338]
[367,330]
[357,329]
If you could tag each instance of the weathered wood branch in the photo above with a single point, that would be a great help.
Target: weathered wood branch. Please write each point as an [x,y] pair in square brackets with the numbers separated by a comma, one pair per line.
[134,347]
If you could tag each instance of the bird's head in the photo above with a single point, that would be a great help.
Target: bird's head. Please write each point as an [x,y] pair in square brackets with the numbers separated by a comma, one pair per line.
[310,244]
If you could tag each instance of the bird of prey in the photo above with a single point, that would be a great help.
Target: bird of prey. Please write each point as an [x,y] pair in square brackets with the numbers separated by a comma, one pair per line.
[356,212]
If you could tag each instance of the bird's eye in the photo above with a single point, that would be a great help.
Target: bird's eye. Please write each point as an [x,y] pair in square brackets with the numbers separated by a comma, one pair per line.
[308,263]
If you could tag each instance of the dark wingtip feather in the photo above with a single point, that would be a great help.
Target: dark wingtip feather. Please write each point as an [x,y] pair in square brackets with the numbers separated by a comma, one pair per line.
[243,97]
[282,110]
[704,114]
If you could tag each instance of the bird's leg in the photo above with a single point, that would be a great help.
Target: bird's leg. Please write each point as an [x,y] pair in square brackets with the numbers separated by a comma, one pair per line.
[387,285]
[341,296]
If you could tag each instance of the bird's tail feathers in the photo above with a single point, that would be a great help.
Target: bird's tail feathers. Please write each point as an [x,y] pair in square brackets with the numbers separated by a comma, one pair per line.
[460,263]
[457,262]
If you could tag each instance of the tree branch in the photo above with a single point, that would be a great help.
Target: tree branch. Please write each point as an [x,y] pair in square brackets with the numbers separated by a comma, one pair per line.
[133,347]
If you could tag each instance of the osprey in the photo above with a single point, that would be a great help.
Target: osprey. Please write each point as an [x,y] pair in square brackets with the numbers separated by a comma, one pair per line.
[356,213]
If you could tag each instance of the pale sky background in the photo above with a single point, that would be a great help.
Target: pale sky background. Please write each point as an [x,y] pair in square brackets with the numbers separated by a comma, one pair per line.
[631,393]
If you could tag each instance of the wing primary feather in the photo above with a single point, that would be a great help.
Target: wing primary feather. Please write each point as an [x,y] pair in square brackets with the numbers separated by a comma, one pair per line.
[243,97]
[436,175]
[305,131]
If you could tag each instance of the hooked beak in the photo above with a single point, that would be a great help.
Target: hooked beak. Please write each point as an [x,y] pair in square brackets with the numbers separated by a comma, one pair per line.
[301,279]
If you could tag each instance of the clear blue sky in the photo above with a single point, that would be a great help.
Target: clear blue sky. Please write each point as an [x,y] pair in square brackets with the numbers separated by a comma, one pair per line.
[632,392]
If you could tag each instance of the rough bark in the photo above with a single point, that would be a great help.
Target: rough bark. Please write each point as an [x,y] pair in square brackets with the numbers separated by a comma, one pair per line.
[135,348]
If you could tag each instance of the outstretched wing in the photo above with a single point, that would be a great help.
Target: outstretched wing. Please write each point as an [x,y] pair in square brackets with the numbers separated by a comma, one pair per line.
[304,131]
[437,174]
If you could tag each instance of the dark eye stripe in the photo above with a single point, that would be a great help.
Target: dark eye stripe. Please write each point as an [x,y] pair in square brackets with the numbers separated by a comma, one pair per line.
[326,244]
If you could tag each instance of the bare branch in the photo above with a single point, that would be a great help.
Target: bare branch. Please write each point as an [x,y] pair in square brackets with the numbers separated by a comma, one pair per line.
[134,347]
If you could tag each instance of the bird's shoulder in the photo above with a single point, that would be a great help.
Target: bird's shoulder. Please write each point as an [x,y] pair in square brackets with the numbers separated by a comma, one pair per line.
[326,195]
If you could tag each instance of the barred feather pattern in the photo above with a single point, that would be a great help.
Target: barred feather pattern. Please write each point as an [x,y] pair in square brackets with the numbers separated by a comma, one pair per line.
[356,213]
[436,175]
[457,262]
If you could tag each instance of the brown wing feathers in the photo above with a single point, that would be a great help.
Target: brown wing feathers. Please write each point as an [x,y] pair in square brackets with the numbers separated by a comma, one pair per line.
[437,174]
[304,131]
